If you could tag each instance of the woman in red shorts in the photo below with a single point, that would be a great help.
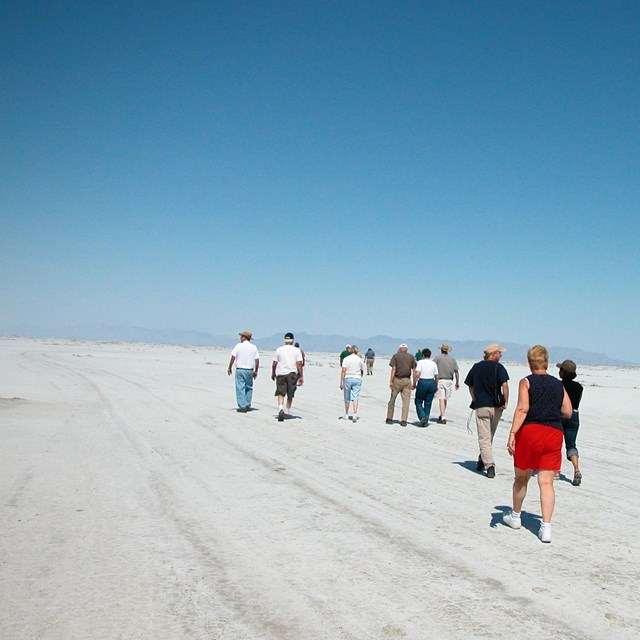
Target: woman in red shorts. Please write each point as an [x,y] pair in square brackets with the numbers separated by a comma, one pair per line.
[536,436]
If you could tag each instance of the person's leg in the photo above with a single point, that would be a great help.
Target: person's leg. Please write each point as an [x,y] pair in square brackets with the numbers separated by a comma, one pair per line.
[484,416]
[444,393]
[547,494]
[356,386]
[281,390]
[520,482]
[430,392]
[292,385]
[419,399]
[248,388]
[392,401]
[570,428]
[240,394]
[346,393]
[495,419]
[406,398]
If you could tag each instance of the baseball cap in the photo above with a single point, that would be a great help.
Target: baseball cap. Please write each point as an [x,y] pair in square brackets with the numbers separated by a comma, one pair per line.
[567,365]
[288,336]
[403,346]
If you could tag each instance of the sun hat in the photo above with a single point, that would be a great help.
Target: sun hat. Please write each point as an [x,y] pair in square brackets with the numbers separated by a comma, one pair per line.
[247,334]
[445,347]
[492,348]
[567,365]
[403,346]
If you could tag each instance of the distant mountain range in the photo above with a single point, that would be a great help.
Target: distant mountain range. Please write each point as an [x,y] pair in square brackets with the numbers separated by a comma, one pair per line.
[382,345]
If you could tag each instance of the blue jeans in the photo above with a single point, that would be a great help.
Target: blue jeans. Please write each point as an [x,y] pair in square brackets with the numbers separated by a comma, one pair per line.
[425,391]
[244,387]
[570,427]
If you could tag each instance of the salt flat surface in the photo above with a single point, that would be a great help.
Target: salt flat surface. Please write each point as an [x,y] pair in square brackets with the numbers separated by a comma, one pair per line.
[136,503]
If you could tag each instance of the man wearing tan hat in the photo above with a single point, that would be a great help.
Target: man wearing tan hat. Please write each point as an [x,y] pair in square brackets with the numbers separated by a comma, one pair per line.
[247,360]
[486,380]
[447,370]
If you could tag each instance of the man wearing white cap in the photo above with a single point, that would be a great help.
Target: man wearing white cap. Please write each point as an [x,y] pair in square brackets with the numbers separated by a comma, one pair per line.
[247,360]
[402,365]
[489,388]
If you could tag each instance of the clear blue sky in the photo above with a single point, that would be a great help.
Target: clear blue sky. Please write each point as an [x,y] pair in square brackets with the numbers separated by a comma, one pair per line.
[466,170]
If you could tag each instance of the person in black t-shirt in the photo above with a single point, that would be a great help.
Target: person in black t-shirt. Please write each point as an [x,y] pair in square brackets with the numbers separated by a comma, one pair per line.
[570,425]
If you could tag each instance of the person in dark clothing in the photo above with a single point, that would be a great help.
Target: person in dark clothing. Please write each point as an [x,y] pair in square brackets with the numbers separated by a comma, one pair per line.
[485,379]
[571,425]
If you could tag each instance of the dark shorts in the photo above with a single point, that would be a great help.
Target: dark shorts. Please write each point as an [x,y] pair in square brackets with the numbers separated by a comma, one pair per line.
[287,385]
[538,447]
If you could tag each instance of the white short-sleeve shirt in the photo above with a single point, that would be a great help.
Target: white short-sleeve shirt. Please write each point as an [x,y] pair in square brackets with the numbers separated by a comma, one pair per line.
[245,354]
[353,365]
[287,356]
[428,369]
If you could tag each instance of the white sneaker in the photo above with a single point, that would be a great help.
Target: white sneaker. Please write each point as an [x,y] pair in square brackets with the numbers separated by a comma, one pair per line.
[512,521]
[355,418]
[544,533]
[345,416]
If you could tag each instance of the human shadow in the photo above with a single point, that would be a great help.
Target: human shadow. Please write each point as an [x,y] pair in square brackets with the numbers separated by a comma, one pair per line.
[469,465]
[530,521]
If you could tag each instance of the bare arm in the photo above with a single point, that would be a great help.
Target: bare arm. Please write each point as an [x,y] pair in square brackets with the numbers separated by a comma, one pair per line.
[255,368]
[505,393]
[519,414]
[342,372]
[231,361]
[566,410]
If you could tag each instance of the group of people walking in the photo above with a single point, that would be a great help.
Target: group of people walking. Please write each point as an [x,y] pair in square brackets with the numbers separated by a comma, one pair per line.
[547,410]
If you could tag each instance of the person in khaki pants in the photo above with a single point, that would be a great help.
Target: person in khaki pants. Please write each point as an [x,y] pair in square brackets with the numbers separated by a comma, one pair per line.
[484,380]
[402,366]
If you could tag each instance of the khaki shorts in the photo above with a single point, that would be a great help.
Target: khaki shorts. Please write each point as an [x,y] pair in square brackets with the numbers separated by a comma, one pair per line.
[445,388]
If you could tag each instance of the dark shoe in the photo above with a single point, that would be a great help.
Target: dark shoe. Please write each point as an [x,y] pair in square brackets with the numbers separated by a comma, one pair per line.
[388,421]
[247,409]
[480,465]
[577,479]
[242,410]
[281,416]
[403,423]
[491,472]
[423,422]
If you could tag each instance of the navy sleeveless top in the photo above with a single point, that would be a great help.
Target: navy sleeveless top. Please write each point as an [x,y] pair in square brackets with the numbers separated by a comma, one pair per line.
[545,399]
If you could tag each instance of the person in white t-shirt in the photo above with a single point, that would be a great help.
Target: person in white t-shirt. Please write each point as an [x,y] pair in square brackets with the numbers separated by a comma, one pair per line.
[351,381]
[425,382]
[287,372]
[247,360]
